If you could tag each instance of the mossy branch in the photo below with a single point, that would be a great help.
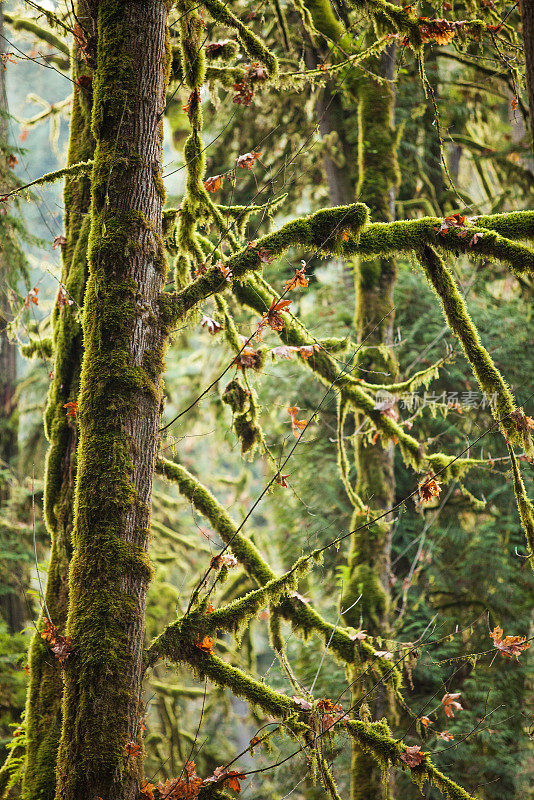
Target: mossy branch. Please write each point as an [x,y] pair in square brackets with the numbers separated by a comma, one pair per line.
[423,377]
[83,168]
[251,43]
[40,348]
[300,614]
[455,311]
[374,738]
[322,232]
[524,505]
[31,26]
[257,294]
[386,238]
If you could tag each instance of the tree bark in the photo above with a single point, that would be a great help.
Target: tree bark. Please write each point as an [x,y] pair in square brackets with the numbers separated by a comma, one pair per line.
[369,556]
[119,408]
[527,22]
[43,707]
[12,605]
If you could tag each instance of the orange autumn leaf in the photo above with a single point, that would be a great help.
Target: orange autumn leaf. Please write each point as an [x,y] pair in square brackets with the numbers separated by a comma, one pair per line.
[60,645]
[206,645]
[509,646]
[272,317]
[446,736]
[426,721]
[247,160]
[226,271]
[194,100]
[214,183]
[31,297]
[450,703]
[72,408]
[233,780]
[131,749]
[147,790]
[413,756]
[298,279]
[428,488]
[186,787]
[297,425]
[453,221]
[229,777]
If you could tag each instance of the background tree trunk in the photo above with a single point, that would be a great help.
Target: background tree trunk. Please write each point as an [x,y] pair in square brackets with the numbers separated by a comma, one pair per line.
[527,20]
[119,408]
[43,709]
[11,602]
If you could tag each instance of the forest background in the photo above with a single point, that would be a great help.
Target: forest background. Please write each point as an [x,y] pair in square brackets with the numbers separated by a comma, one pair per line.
[456,566]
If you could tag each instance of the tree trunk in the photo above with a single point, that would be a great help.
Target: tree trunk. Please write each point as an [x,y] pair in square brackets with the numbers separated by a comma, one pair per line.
[527,22]
[369,556]
[12,606]
[119,408]
[43,709]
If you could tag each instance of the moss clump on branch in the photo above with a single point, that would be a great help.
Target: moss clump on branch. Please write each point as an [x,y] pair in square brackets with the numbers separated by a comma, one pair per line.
[374,738]
[322,232]
[301,615]
[251,43]
[455,311]
[386,238]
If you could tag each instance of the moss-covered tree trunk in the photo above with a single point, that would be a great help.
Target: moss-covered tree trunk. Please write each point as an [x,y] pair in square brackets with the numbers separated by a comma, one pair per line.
[527,24]
[369,556]
[43,710]
[11,601]
[374,281]
[119,408]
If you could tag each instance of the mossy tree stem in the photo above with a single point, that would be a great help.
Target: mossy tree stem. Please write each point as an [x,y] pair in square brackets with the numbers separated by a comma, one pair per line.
[43,708]
[119,407]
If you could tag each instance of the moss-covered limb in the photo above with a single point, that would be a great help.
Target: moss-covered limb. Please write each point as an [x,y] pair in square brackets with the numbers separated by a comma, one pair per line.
[342,457]
[43,708]
[182,649]
[36,30]
[235,615]
[385,238]
[322,232]
[40,348]
[512,224]
[176,690]
[374,738]
[300,614]
[193,62]
[524,505]
[253,294]
[119,406]
[455,311]
[244,550]
[74,170]
[423,377]
[251,43]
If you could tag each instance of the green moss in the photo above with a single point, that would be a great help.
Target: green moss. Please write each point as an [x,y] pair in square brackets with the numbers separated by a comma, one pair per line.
[120,380]
[376,740]
[321,232]
[251,43]
[387,238]
[457,316]
[43,709]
